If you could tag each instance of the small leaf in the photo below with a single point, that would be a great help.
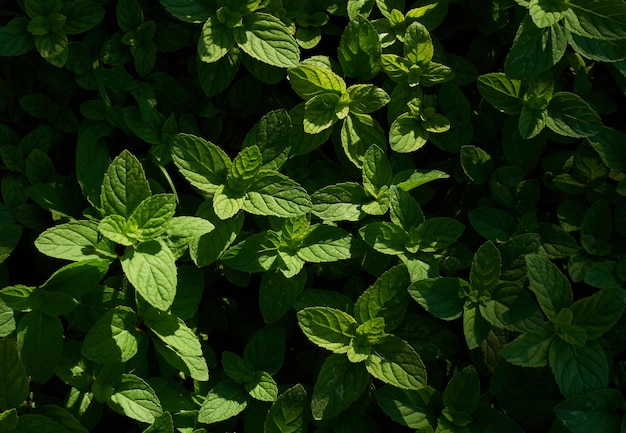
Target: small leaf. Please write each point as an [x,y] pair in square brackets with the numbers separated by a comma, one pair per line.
[327,327]
[477,164]
[407,134]
[225,400]
[134,398]
[124,186]
[376,170]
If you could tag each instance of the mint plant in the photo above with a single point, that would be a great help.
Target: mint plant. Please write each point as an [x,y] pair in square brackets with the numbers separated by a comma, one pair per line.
[282,216]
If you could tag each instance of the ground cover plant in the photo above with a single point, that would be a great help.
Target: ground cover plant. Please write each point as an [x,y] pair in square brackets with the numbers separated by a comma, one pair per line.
[290,216]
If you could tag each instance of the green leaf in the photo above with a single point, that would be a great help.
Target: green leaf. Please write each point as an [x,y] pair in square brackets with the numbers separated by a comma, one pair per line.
[134,398]
[535,50]
[360,49]
[476,328]
[579,370]
[267,39]
[150,268]
[571,116]
[13,381]
[129,15]
[486,266]
[275,194]
[10,236]
[7,320]
[278,294]
[395,362]
[289,413]
[266,350]
[124,186]
[203,164]
[608,145]
[319,112]
[404,210]
[418,46]
[215,41]
[327,327]
[417,409]
[597,410]
[384,237]
[511,307]
[501,92]
[551,287]
[187,10]
[461,396]
[531,121]
[162,424]
[114,228]
[150,218]
[477,164]
[81,16]
[597,228]
[545,13]
[386,298]
[15,39]
[235,367]
[366,98]
[339,202]
[598,49]
[226,202]
[53,47]
[492,224]
[605,20]
[309,80]
[262,387]
[441,297]
[434,234]
[255,254]
[209,247]
[598,313]
[225,400]
[529,349]
[181,340]
[339,383]
[324,243]
[272,135]
[9,419]
[114,338]
[358,133]
[76,241]
[39,423]
[40,339]
[407,134]
[376,170]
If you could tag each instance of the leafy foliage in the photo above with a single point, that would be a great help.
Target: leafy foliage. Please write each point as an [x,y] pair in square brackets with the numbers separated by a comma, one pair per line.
[283,216]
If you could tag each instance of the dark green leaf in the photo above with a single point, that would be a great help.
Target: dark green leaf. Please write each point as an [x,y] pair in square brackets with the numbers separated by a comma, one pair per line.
[461,395]
[529,349]
[15,39]
[551,287]
[13,382]
[579,370]
[289,413]
[114,338]
[501,92]
[571,116]
[266,350]
[417,409]
[40,339]
[492,224]
[394,362]
[597,410]
[360,49]
[441,297]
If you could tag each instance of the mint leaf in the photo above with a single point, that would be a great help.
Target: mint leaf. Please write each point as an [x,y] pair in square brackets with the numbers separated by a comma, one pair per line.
[416,409]
[272,136]
[366,98]
[407,134]
[360,49]
[492,224]
[486,266]
[395,362]
[434,234]
[501,92]
[266,350]
[598,313]
[476,163]
[339,202]
[278,294]
[324,243]
[571,116]
[262,387]
[327,327]
[40,339]
[76,241]
[547,13]
[114,338]
[309,80]
[377,172]
[384,237]
[13,382]
[209,247]
[386,298]
[81,16]
[15,39]
[461,396]
[203,164]
[225,400]
[358,133]
[255,254]
[289,413]
[529,349]
[579,370]
[124,186]
[442,297]
[226,202]
[595,410]
[7,321]
[404,210]
[150,218]
[320,112]
[177,337]
[275,194]
[187,10]
[511,307]
[150,268]
[134,398]
[551,287]
[339,383]
[267,39]
[215,41]
[605,21]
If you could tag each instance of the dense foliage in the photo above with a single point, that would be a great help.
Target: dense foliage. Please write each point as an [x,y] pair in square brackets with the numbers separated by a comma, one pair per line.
[290,216]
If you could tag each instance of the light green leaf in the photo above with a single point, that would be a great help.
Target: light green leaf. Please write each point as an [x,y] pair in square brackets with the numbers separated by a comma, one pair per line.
[595,411]
[177,337]
[272,135]
[245,166]
[339,202]
[7,320]
[13,380]
[327,327]
[570,115]
[545,13]
[289,413]
[162,424]
[10,235]
[309,80]
[226,202]
[76,241]
[404,210]
[418,46]
[377,172]
[319,112]
[324,243]
[387,298]
[501,92]
[150,218]
[339,383]
[262,387]
[366,98]
[114,338]
[225,400]
[529,349]
[597,20]
[579,370]
[40,342]
[150,268]
[551,287]
[441,297]
[407,134]
[358,133]
[215,41]
[114,227]
[535,50]
[384,237]
[275,194]
[203,164]
[395,362]
[124,186]
[134,398]
[267,39]
[360,49]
